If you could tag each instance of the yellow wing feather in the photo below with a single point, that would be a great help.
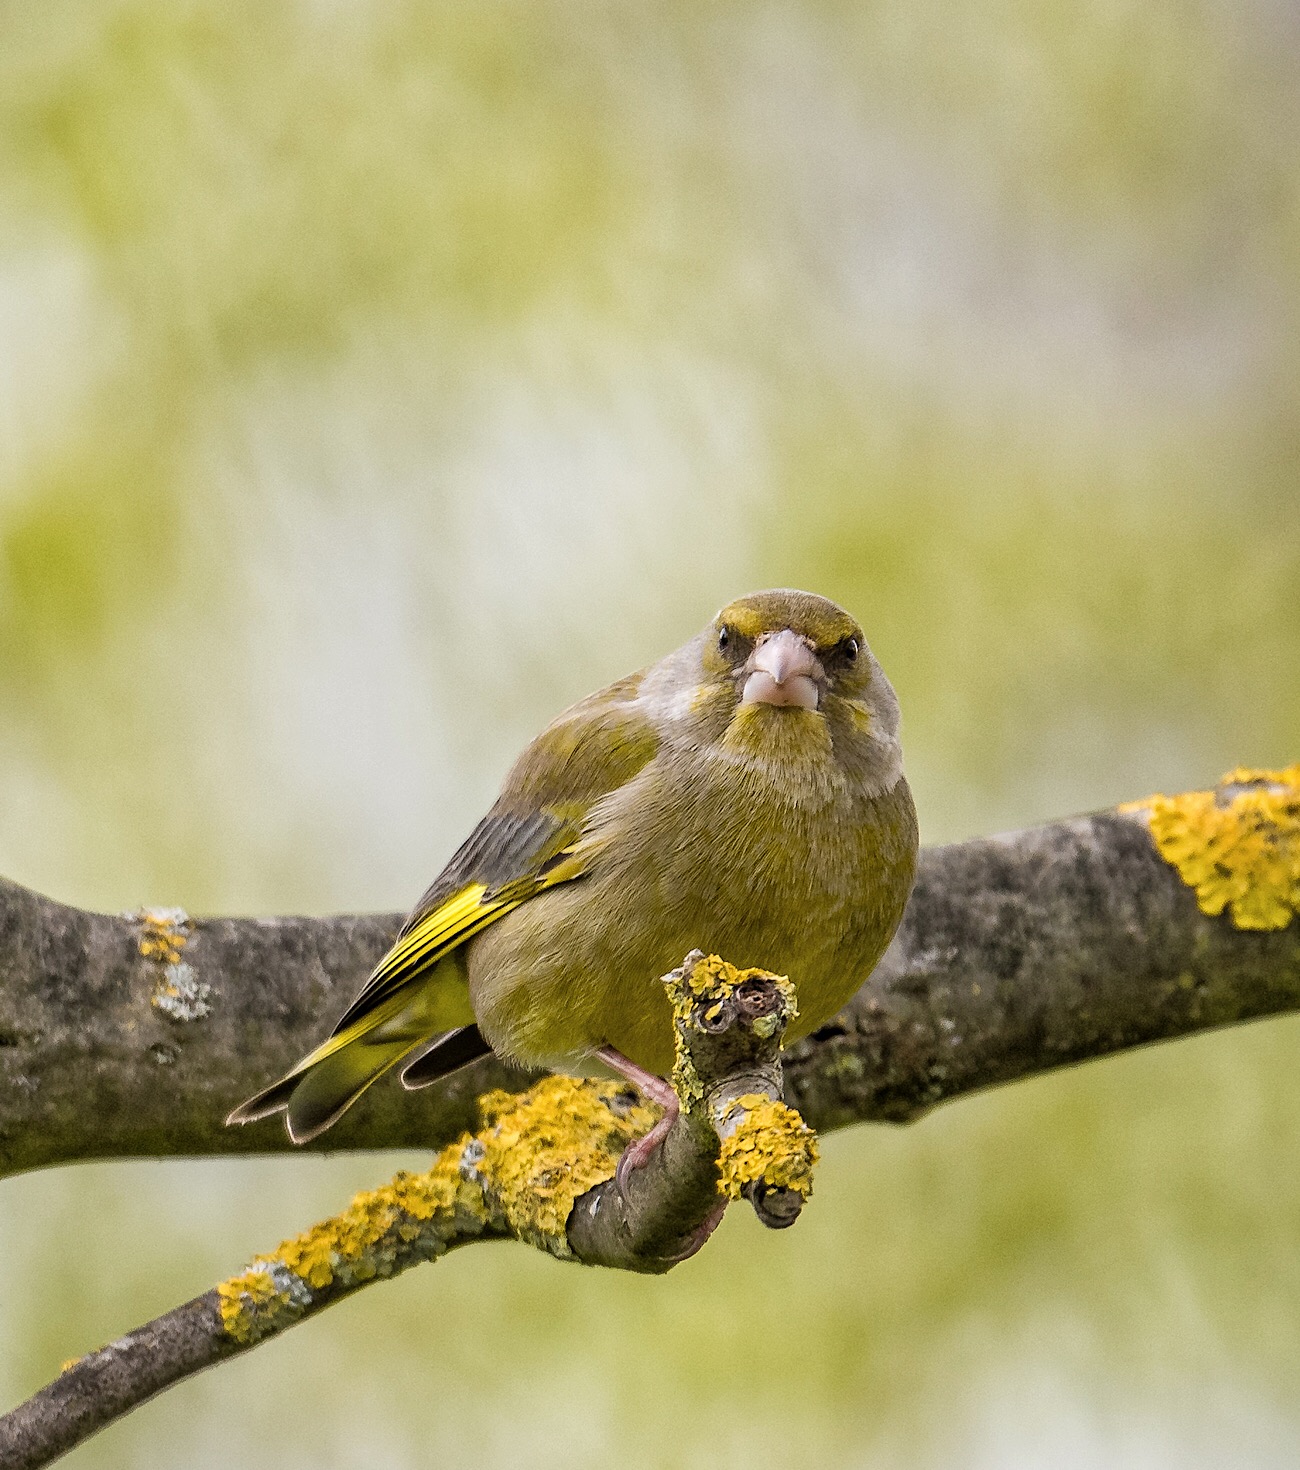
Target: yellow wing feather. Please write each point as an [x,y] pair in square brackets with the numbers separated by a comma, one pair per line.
[448,925]
[531,840]
[376,1025]
[453,922]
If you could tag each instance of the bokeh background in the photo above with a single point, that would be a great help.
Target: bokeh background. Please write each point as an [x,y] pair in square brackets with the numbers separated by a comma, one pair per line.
[377,376]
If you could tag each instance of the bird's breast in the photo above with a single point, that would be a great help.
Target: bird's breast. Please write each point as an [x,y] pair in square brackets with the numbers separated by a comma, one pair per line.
[804,876]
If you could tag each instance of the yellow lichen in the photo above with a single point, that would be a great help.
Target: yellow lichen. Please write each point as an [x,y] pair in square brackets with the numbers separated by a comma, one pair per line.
[536,1153]
[357,1245]
[163,934]
[544,1148]
[713,976]
[254,1304]
[771,1145]
[1238,846]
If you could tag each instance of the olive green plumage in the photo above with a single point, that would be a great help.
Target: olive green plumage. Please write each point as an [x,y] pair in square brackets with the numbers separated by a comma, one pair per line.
[743,796]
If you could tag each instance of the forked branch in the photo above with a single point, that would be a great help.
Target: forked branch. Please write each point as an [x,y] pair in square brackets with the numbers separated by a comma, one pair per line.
[541,1169]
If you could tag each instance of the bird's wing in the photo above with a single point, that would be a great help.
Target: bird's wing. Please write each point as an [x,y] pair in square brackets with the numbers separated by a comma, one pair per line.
[527,842]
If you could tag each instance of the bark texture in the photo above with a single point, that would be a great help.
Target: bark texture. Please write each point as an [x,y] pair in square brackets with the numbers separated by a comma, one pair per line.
[112,1381]
[122,1036]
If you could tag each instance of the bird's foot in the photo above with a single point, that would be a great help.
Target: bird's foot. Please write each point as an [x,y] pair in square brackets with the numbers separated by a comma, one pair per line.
[638,1153]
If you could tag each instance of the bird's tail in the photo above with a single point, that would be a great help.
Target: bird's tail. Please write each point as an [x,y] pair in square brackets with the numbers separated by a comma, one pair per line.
[325,1084]
[447,1055]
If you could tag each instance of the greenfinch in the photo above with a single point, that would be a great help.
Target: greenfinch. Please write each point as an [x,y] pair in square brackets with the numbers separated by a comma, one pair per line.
[744,796]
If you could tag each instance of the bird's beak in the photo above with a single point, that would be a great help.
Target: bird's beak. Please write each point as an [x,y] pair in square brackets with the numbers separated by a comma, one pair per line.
[782,670]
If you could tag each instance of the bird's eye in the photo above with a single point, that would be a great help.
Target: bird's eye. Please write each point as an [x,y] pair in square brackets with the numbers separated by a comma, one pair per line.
[850,649]
[724,636]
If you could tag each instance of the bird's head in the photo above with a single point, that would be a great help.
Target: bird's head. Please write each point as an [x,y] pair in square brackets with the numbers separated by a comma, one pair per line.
[788,650]
[779,673]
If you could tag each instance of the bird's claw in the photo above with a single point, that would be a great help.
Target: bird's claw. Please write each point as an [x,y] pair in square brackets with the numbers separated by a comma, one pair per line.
[638,1153]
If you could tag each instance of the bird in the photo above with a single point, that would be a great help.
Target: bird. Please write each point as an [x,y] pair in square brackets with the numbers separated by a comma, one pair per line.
[743,796]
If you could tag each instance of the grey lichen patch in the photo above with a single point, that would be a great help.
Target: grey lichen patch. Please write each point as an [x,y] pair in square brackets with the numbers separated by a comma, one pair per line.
[265,1300]
[180,994]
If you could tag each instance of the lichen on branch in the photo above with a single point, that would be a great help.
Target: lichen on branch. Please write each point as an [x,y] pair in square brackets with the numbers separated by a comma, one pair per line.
[1238,845]
[519,1176]
[1109,953]
[706,994]
[770,1145]
[540,1151]
[415,1217]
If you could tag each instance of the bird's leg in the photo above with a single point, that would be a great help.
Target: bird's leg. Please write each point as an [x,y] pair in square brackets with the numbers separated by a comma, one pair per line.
[637,1154]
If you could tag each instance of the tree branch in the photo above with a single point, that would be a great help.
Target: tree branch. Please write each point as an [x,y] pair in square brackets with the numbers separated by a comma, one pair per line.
[541,1169]
[130,1036]
[1018,954]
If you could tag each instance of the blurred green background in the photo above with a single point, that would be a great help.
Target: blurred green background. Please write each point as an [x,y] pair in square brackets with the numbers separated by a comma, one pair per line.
[375,378]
